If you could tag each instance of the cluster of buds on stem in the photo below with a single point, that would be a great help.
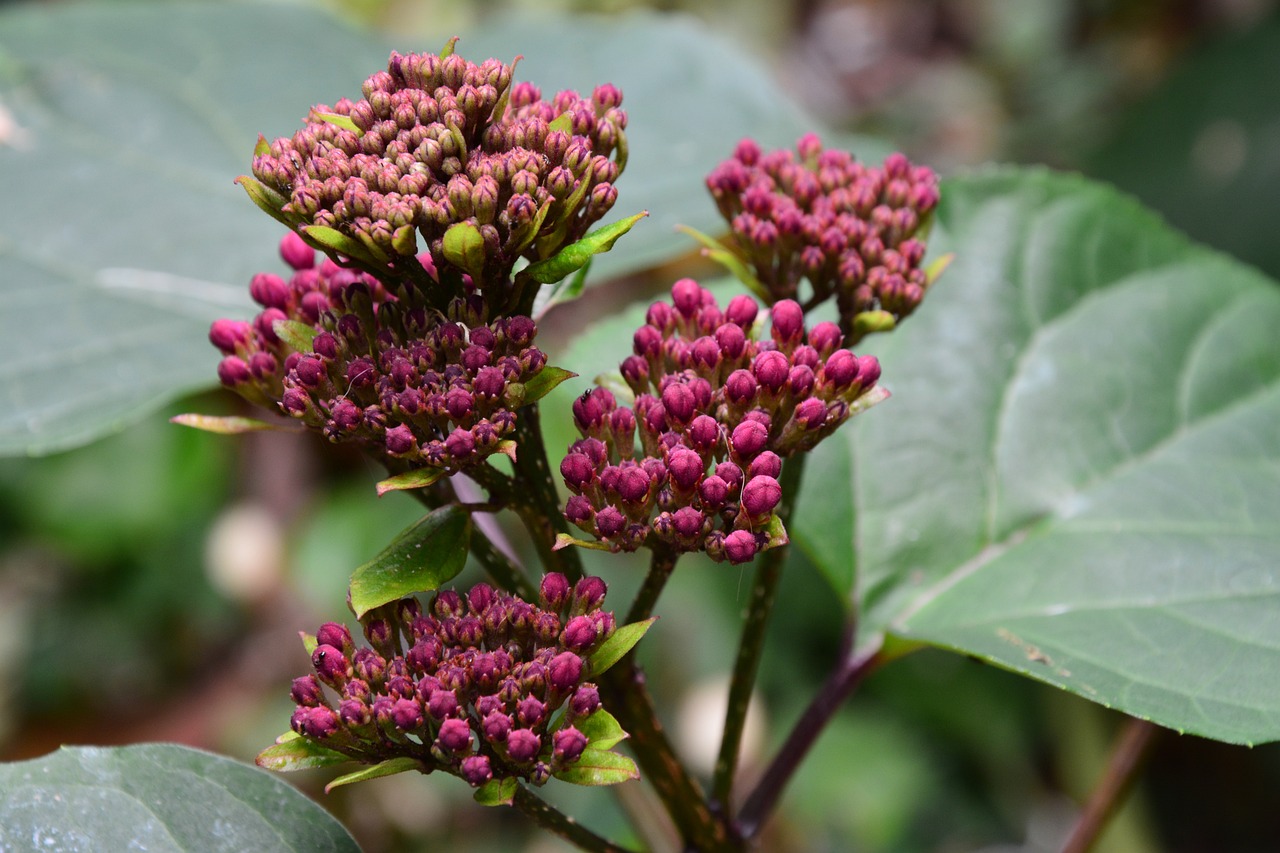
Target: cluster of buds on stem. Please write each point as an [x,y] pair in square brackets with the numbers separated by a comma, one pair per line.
[449,156]
[484,686]
[716,411]
[412,385]
[853,231]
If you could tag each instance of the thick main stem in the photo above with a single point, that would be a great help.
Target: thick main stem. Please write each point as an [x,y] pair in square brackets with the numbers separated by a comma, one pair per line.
[661,565]
[751,645]
[553,820]
[840,684]
[1127,755]
[536,500]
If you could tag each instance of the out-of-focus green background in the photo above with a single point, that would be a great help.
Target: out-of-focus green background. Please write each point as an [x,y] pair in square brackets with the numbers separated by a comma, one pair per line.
[152,584]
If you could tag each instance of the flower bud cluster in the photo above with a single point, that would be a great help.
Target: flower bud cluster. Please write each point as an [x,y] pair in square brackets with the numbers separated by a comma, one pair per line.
[435,142]
[854,231]
[409,384]
[484,686]
[716,411]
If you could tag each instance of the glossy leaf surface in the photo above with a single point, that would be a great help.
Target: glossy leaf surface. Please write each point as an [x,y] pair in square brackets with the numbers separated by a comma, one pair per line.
[421,558]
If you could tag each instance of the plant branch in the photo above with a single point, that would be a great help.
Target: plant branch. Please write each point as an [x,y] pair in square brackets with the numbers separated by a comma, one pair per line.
[840,684]
[1130,750]
[751,645]
[661,564]
[553,820]
[535,499]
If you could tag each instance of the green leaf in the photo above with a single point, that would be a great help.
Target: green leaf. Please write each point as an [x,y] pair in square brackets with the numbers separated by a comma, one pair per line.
[599,767]
[299,336]
[463,247]
[147,239]
[291,752]
[421,558]
[496,792]
[601,729]
[334,243]
[228,424]
[727,258]
[390,767]
[418,478]
[551,295]
[576,255]
[268,200]
[1078,476]
[544,382]
[618,644]
[339,120]
[157,797]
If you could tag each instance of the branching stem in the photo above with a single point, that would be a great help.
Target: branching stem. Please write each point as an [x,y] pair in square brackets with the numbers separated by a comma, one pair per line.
[552,819]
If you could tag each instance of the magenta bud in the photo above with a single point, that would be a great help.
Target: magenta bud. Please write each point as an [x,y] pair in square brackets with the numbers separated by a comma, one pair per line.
[685,467]
[609,522]
[331,665]
[767,464]
[400,441]
[443,703]
[679,402]
[318,723]
[564,671]
[810,414]
[740,546]
[230,335]
[740,388]
[731,340]
[760,495]
[568,744]
[585,701]
[687,522]
[296,253]
[496,726]
[742,311]
[454,736]
[713,491]
[868,370]
[577,470]
[659,315]
[269,291]
[307,691]
[647,342]
[460,444]
[459,403]
[788,322]
[771,369]
[579,634]
[554,591]
[233,371]
[749,438]
[354,713]
[579,511]
[480,598]
[633,484]
[476,770]
[825,338]
[687,296]
[523,745]
[336,635]
[310,371]
[841,369]
[531,711]
[635,370]
[406,714]
[800,381]
[588,594]
[704,433]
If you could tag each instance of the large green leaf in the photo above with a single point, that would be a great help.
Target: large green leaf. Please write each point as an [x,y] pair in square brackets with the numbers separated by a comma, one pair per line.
[431,552]
[123,235]
[158,797]
[1078,476]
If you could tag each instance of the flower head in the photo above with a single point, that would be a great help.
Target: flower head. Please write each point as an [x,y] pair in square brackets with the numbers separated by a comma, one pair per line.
[854,232]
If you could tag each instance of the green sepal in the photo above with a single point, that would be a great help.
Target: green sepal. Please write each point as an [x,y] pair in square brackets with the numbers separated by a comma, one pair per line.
[727,258]
[390,767]
[270,201]
[564,540]
[619,643]
[776,533]
[497,792]
[870,322]
[566,290]
[339,120]
[449,47]
[404,240]
[333,242]
[262,148]
[298,335]
[601,730]
[463,247]
[418,478]
[544,382]
[228,424]
[292,752]
[423,556]
[562,122]
[309,642]
[599,767]
[574,256]
[935,269]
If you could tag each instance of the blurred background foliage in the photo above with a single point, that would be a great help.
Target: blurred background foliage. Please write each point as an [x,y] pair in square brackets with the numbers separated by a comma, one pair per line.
[151,585]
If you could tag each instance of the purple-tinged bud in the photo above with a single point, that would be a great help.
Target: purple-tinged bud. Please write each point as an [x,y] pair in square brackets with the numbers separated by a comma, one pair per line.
[531,711]
[742,311]
[568,745]
[310,371]
[546,626]
[609,522]
[232,371]
[760,495]
[459,403]
[810,414]
[406,714]
[800,381]
[354,714]
[378,633]
[443,703]
[633,484]
[685,467]
[740,546]
[577,470]
[489,383]
[714,492]
[678,401]
[400,441]
[331,665]
[647,342]
[771,369]
[585,700]
[704,433]
[588,594]
[318,723]
[460,444]
[455,736]
[564,671]
[523,745]
[579,511]
[448,604]
[579,634]
[496,726]
[660,316]
[336,635]
[687,296]
[480,598]
[731,340]
[868,370]
[748,439]
[825,338]
[269,291]
[476,770]
[740,388]
[307,691]
[788,322]
[554,591]
[687,522]
[635,370]
[841,369]
[230,335]
[296,253]
[262,365]
[767,464]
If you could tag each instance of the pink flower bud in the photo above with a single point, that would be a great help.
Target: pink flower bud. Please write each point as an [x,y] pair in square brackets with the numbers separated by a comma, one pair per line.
[523,745]
[318,723]
[588,594]
[232,371]
[678,401]
[230,335]
[577,470]
[767,464]
[740,546]
[760,495]
[496,726]
[400,441]
[296,253]
[455,736]
[568,744]
[335,635]
[270,291]
[742,311]
[771,369]
[748,439]
[579,634]
[564,671]
[306,691]
[788,322]
[685,467]
[687,296]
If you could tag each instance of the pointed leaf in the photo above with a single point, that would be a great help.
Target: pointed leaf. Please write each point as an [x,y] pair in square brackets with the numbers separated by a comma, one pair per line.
[418,478]
[390,767]
[228,424]
[297,753]
[1078,477]
[421,558]
[618,644]
[339,120]
[298,335]
[601,729]
[576,255]
[551,295]
[544,382]
[334,243]
[727,258]
[268,200]
[496,792]
[599,767]
[158,797]
[564,540]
